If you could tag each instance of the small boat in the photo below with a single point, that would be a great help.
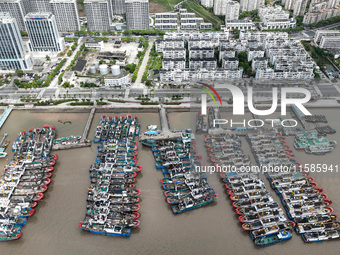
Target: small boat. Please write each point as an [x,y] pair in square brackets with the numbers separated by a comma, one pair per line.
[275,238]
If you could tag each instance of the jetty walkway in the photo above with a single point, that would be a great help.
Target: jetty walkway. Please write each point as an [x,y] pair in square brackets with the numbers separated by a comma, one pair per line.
[5,115]
[165,132]
[83,142]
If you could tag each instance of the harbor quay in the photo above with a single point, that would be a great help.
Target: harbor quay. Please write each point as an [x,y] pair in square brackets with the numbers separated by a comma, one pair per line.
[251,162]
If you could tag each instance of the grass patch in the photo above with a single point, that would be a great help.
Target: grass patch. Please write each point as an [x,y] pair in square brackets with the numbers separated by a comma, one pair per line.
[208,16]
[149,103]
[172,103]
[81,103]
[168,4]
[116,101]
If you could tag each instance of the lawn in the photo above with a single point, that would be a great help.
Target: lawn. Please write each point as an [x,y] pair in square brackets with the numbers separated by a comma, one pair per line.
[193,6]
[168,5]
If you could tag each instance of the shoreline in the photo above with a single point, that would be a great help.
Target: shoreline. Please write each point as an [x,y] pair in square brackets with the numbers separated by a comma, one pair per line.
[145,108]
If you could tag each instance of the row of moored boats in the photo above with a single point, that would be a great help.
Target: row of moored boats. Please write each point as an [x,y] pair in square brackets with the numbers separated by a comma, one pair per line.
[184,188]
[25,180]
[112,202]
[258,212]
[304,201]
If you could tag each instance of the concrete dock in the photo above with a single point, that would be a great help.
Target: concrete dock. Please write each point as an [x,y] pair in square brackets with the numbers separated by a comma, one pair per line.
[83,142]
[88,124]
[165,132]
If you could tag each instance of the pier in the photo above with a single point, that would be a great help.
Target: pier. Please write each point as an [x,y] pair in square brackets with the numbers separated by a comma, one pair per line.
[300,115]
[5,115]
[83,142]
[165,132]
[88,124]
[3,139]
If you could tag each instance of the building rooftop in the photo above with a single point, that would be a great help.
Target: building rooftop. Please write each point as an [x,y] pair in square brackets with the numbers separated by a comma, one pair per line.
[38,15]
[5,17]
[80,65]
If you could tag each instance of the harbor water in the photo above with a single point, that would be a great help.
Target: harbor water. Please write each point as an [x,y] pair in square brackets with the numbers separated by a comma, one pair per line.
[212,229]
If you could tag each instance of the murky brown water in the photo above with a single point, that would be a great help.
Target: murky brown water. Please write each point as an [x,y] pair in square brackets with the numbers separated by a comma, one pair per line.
[213,229]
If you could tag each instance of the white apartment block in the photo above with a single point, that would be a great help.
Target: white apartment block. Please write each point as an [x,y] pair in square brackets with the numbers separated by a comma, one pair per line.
[259,63]
[214,38]
[198,52]
[171,63]
[200,43]
[220,7]
[274,17]
[254,53]
[39,6]
[250,5]
[66,15]
[232,11]
[166,15]
[332,3]
[240,25]
[137,14]
[272,12]
[161,45]
[270,74]
[327,38]
[27,5]
[230,63]
[226,53]
[205,26]
[117,6]
[13,54]
[189,26]
[43,33]
[98,15]
[199,63]
[16,9]
[299,7]
[320,14]
[187,15]
[192,20]
[330,42]
[166,21]
[321,33]
[166,26]
[262,36]
[188,75]
[207,3]
[175,53]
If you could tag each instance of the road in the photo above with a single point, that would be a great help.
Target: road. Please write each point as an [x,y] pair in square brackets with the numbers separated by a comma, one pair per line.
[309,33]
[138,83]
[54,82]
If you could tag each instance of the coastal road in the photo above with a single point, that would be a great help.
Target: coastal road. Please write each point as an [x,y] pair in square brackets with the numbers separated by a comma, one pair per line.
[13,94]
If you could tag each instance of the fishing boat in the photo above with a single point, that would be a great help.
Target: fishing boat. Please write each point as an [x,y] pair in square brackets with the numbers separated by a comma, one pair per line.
[275,238]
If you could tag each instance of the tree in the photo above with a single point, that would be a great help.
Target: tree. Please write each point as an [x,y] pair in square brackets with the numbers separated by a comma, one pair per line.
[48,58]
[19,72]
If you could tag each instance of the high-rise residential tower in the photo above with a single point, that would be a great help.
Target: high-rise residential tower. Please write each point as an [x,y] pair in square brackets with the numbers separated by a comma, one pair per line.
[43,32]
[250,5]
[66,15]
[98,15]
[137,14]
[39,6]
[13,54]
[117,6]
[16,9]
